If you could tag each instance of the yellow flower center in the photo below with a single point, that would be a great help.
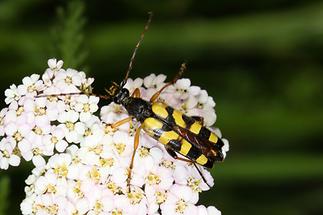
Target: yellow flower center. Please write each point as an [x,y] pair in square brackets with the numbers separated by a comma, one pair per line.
[61,171]
[107,162]
[194,184]
[108,129]
[135,197]
[143,152]
[97,149]
[51,189]
[95,175]
[76,160]
[16,151]
[77,190]
[98,207]
[37,130]
[160,197]
[19,111]
[88,132]
[180,206]
[113,187]
[75,213]
[120,147]
[168,164]
[116,212]
[54,139]
[40,111]
[6,154]
[37,151]
[153,179]
[17,136]
[52,209]
[68,80]
[31,88]
[52,98]
[70,126]
[200,105]
[86,107]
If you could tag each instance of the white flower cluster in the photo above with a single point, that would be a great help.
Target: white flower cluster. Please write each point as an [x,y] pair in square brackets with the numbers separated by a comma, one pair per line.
[88,164]
[33,127]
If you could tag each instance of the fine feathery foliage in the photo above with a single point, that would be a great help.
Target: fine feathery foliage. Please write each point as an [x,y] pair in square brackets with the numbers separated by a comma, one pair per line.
[4,191]
[68,34]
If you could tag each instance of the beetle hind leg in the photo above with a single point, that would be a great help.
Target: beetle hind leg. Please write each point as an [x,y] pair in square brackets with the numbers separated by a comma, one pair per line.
[173,154]
[201,174]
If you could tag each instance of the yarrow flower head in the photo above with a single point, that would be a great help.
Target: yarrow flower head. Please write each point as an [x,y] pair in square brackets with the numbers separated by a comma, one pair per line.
[55,116]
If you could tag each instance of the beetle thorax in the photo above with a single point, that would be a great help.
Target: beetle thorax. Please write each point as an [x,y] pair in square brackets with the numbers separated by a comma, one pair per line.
[138,108]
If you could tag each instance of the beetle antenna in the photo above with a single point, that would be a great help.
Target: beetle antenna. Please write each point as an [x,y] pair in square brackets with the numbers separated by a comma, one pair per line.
[132,59]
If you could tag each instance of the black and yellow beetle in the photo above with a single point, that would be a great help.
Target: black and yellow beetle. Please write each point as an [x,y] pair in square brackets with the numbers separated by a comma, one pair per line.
[178,132]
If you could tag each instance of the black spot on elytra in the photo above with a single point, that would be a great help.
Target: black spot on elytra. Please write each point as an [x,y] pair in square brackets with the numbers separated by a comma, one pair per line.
[204,133]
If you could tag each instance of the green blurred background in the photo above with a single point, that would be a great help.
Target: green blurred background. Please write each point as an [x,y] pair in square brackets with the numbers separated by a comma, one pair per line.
[262,61]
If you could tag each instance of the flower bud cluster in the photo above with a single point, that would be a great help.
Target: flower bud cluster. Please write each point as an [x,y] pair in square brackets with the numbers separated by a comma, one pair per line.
[88,160]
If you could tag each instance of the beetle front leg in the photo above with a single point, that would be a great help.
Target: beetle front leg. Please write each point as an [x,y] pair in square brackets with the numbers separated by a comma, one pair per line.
[136,93]
[121,122]
[135,146]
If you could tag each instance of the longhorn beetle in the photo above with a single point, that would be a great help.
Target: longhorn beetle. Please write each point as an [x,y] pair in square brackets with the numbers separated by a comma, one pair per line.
[179,133]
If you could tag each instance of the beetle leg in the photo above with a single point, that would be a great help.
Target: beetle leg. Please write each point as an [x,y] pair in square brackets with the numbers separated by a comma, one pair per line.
[121,122]
[136,93]
[172,153]
[135,146]
[202,176]
[178,76]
